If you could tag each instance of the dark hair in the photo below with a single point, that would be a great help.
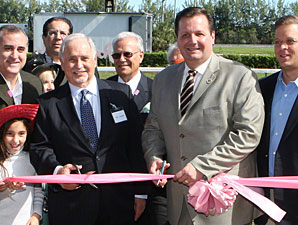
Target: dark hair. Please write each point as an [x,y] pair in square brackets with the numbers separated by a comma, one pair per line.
[289,19]
[56,18]
[11,29]
[3,129]
[193,11]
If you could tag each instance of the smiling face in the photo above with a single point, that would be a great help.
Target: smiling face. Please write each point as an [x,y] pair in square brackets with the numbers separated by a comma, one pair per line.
[13,53]
[127,67]
[78,62]
[195,40]
[15,137]
[286,46]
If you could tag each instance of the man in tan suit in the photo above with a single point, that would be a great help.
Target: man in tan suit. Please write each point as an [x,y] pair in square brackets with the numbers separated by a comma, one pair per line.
[216,131]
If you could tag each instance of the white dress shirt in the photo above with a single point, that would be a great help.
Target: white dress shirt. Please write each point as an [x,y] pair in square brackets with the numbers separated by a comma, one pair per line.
[17,91]
[133,83]
[200,71]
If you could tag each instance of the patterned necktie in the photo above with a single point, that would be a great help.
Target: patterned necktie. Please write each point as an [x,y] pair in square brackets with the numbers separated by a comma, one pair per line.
[187,91]
[88,121]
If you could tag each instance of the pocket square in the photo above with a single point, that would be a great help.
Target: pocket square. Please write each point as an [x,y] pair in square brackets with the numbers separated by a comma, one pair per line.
[146,108]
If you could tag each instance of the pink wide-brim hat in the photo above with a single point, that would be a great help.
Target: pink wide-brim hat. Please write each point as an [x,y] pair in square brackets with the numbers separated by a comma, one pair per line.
[27,111]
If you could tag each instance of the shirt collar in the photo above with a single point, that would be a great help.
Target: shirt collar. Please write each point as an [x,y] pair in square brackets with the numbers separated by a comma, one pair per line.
[18,82]
[92,88]
[133,83]
[279,78]
[201,69]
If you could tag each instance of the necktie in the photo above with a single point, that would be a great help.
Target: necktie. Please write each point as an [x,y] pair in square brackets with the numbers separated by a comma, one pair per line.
[187,91]
[88,121]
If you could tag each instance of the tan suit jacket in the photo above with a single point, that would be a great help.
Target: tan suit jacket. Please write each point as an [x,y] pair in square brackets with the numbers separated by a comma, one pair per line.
[218,133]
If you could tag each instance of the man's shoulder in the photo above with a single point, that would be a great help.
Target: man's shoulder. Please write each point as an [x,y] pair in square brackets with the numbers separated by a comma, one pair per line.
[31,79]
[112,85]
[114,77]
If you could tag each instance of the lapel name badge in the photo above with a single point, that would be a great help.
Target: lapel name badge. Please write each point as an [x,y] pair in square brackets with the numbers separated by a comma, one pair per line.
[118,114]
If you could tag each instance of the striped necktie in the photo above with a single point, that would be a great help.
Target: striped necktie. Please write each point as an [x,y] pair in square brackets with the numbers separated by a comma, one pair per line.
[88,121]
[187,91]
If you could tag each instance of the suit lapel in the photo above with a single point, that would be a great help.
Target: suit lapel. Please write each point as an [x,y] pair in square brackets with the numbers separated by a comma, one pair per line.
[208,77]
[292,121]
[4,92]
[68,114]
[175,91]
[141,98]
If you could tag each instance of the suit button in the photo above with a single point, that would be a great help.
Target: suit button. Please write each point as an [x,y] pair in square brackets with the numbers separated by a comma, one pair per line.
[97,158]
[183,158]
[181,136]
[266,156]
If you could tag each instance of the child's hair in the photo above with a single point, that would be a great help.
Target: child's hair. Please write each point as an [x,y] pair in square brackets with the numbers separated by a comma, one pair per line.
[3,130]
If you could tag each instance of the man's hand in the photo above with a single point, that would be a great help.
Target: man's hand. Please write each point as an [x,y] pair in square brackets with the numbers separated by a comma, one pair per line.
[155,168]
[188,175]
[67,170]
[140,205]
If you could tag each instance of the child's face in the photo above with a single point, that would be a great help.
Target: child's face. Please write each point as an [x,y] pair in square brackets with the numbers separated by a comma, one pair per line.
[15,137]
[47,79]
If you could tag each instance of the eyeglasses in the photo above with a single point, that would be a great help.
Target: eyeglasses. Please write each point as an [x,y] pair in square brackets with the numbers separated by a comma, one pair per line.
[62,33]
[288,42]
[117,55]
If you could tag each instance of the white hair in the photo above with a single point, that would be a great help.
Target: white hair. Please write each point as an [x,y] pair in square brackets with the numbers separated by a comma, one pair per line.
[127,34]
[73,37]
[171,49]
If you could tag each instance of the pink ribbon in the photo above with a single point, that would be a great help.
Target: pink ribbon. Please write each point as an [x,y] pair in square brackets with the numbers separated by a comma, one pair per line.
[210,198]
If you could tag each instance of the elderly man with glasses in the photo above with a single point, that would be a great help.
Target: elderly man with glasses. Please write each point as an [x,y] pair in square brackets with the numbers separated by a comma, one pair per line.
[128,54]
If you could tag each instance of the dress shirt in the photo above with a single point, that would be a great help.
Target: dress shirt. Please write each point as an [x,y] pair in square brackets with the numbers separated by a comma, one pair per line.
[283,101]
[50,60]
[17,91]
[201,69]
[133,83]
[94,99]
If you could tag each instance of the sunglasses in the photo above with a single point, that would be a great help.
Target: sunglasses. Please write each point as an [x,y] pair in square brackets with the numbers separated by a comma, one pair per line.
[117,55]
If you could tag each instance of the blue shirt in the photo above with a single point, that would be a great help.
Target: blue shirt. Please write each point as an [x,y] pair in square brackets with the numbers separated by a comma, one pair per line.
[282,104]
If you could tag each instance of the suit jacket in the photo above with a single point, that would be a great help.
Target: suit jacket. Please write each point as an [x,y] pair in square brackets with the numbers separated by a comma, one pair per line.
[32,88]
[144,96]
[58,139]
[286,157]
[219,131]
[38,59]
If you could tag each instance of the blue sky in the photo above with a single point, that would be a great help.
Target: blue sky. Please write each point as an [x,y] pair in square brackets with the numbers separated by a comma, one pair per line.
[137,3]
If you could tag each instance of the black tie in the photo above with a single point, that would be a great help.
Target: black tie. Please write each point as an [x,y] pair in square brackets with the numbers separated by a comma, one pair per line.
[88,121]
[187,91]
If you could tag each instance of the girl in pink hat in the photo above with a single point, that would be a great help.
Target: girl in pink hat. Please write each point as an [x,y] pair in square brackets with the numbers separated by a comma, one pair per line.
[19,203]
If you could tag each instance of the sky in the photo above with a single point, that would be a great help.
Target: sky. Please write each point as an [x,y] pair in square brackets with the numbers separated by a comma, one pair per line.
[137,3]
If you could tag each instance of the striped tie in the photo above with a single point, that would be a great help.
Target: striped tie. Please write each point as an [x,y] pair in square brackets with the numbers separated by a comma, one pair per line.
[187,91]
[88,121]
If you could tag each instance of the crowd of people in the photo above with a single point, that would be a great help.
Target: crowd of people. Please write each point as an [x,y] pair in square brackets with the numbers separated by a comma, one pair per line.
[201,116]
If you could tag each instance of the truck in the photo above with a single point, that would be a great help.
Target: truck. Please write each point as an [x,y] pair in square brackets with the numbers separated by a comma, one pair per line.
[101,27]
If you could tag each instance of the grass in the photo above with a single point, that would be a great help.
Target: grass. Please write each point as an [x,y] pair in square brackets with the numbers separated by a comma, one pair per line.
[249,50]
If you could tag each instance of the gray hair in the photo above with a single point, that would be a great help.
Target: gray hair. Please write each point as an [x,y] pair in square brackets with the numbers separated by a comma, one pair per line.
[127,34]
[171,49]
[12,29]
[73,37]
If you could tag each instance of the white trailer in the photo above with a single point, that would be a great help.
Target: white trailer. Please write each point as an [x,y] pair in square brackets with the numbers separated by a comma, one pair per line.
[101,27]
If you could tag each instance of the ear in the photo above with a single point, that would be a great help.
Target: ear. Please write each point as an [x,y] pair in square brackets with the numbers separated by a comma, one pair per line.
[141,55]
[213,36]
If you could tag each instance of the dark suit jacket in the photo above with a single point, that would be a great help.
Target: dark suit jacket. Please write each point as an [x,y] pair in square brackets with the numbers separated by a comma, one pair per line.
[58,139]
[38,59]
[145,94]
[32,88]
[286,158]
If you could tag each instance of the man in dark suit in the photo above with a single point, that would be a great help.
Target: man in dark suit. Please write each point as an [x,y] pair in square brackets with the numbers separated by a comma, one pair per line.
[128,54]
[107,143]
[54,31]
[16,86]
[277,151]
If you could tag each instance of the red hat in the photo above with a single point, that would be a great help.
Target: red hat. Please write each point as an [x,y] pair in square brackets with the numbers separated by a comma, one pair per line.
[27,111]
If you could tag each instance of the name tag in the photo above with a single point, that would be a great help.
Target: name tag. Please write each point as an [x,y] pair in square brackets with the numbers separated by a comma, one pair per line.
[119,116]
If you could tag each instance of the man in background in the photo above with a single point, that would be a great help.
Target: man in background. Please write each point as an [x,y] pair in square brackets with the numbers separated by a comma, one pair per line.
[16,86]
[206,117]
[128,54]
[54,31]
[277,151]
